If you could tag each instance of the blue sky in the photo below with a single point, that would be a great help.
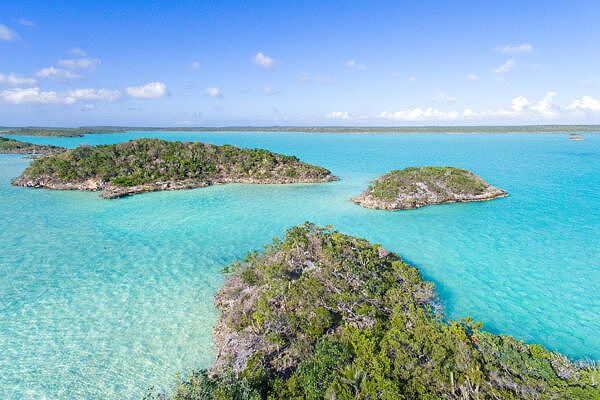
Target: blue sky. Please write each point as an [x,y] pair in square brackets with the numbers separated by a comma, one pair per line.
[214,63]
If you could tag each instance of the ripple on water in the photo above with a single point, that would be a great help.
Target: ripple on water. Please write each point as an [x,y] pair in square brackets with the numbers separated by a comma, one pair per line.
[101,299]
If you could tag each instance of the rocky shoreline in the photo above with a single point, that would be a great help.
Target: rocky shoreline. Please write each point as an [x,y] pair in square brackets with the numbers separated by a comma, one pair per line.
[111,191]
[416,187]
[148,165]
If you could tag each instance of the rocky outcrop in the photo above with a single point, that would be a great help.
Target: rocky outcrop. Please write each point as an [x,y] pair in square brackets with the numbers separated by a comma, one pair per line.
[417,187]
[148,165]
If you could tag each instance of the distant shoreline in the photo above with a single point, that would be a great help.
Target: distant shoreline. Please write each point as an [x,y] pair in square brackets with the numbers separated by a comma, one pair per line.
[452,130]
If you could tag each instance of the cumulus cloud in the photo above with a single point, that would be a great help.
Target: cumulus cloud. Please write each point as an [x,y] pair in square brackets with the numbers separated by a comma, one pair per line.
[213,92]
[586,103]
[354,64]
[520,107]
[263,60]
[80,63]
[195,65]
[343,115]
[15,80]
[508,66]
[36,96]
[515,49]
[58,73]
[150,90]
[472,77]
[7,34]
[546,106]
[443,98]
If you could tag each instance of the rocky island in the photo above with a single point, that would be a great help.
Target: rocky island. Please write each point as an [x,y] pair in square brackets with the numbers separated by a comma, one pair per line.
[415,187]
[323,315]
[12,146]
[146,165]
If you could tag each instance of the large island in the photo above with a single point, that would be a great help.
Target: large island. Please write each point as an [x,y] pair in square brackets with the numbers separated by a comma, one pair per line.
[323,315]
[415,187]
[146,165]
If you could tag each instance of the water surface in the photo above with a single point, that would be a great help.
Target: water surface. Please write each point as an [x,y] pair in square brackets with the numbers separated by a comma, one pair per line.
[100,299]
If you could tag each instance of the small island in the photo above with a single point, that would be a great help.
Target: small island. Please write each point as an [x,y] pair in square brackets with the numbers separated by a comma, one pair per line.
[415,187]
[323,315]
[12,146]
[147,165]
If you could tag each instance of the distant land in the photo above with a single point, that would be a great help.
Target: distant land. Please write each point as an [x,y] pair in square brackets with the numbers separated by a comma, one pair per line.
[73,132]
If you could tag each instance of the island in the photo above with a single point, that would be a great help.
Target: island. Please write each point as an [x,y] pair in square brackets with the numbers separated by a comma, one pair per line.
[415,187]
[147,165]
[12,146]
[323,315]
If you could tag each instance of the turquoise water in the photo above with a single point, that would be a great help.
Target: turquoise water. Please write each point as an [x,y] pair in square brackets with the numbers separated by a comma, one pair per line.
[100,299]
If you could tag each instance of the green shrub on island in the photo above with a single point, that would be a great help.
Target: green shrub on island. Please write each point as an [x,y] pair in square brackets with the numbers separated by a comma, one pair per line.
[153,164]
[323,315]
[415,187]
[12,146]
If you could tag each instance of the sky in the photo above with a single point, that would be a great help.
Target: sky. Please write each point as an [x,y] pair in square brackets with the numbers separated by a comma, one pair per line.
[262,63]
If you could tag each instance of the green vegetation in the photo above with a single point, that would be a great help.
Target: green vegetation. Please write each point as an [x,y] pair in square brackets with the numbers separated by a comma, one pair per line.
[322,315]
[153,162]
[11,146]
[43,131]
[457,180]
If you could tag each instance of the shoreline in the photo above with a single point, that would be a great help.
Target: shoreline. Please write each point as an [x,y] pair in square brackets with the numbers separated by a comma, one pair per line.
[368,130]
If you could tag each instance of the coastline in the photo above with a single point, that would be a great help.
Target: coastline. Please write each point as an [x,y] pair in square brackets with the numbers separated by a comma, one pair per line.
[356,130]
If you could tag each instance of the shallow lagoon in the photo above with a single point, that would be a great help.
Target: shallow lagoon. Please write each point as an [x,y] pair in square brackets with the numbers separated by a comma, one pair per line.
[100,299]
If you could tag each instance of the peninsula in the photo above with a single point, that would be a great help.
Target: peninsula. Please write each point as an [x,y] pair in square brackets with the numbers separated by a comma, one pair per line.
[12,146]
[415,187]
[146,165]
[323,315]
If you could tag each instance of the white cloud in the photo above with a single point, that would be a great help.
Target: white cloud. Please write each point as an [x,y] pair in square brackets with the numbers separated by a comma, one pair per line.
[76,51]
[80,63]
[412,78]
[36,96]
[263,60]
[195,65]
[418,113]
[151,90]
[30,96]
[26,22]
[15,80]
[59,73]
[519,103]
[338,115]
[443,98]
[7,34]
[94,94]
[472,77]
[546,106]
[586,103]
[515,49]
[354,64]
[506,67]
[269,91]
[214,92]
[520,108]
